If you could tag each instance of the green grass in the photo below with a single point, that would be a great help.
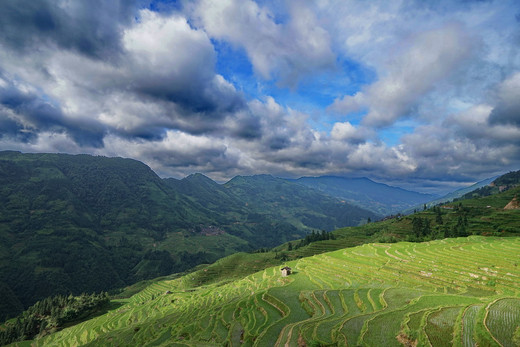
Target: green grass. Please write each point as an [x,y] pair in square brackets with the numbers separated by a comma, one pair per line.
[366,295]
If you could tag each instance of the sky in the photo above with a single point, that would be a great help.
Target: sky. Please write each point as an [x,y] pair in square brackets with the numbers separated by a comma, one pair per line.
[423,95]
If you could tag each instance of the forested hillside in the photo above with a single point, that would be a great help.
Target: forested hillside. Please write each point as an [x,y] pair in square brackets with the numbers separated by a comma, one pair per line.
[76,223]
[501,184]
[83,223]
[288,201]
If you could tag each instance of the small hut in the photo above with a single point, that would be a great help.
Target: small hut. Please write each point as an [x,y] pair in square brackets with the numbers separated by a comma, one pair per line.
[286,271]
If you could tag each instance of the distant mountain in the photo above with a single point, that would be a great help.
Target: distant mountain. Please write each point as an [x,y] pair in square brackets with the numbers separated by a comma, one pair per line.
[377,197]
[208,193]
[81,223]
[287,200]
[274,209]
[459,193]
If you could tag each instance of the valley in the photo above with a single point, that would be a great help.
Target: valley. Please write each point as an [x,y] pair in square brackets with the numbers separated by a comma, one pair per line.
[81,223]
[195,263]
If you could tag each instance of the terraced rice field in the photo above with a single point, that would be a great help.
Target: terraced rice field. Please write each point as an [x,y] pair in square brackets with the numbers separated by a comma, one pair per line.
[461,292]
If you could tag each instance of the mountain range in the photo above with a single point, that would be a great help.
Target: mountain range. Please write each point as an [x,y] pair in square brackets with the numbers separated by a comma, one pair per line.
[378,197]
[81,223]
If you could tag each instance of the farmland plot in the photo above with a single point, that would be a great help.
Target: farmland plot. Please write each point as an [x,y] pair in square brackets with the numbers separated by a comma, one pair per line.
[503,320]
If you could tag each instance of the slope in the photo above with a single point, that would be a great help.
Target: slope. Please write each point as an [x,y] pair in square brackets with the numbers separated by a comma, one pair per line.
[83,223]
[503,183]
[377,197]
[266,210]
[208,193]
[445,292]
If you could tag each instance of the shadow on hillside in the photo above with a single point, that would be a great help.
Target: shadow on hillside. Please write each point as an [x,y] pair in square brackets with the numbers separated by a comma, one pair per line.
[112,305]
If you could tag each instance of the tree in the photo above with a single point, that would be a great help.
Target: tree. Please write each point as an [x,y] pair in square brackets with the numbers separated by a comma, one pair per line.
[438,217]
[417,226]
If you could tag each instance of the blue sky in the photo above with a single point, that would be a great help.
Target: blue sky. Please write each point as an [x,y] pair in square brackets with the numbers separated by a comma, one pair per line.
[423,95]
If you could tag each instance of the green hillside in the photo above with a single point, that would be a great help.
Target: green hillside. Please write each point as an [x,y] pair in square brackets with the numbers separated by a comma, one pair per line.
[478,216]
[457,291]
[81,223]
[502,183]
[457,194]
[72,224]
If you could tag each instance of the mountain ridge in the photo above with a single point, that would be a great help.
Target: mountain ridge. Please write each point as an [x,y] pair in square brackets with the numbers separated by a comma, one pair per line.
[364,192]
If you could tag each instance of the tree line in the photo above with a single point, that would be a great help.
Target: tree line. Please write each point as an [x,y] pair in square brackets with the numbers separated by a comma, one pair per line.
[422,229]
[51,314]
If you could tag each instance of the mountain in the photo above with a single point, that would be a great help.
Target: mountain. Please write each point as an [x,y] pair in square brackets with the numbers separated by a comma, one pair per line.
[377,197]
[348,287]
[81,223]
[225,206]
[84,223]
[283,199]
[275,209]
[457,194]
[500,184]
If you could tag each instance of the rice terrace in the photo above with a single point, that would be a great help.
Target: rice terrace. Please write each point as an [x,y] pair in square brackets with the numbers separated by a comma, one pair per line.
[461,292]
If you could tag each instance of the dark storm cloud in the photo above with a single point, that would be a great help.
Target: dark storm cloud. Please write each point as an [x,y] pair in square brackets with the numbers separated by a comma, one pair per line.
[277,143]
[12,129]
[192,158]
[30,107]
[92,28]
[506,114]
[192,95]
[245,125]
[507,108]
[34,114]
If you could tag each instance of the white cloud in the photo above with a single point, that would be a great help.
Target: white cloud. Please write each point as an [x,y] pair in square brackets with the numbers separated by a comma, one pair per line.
[350,103]
[167,48]
[428,58]
[344,131]
[285,51]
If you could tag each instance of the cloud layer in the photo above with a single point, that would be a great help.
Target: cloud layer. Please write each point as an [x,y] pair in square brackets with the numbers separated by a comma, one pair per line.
[440,105]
